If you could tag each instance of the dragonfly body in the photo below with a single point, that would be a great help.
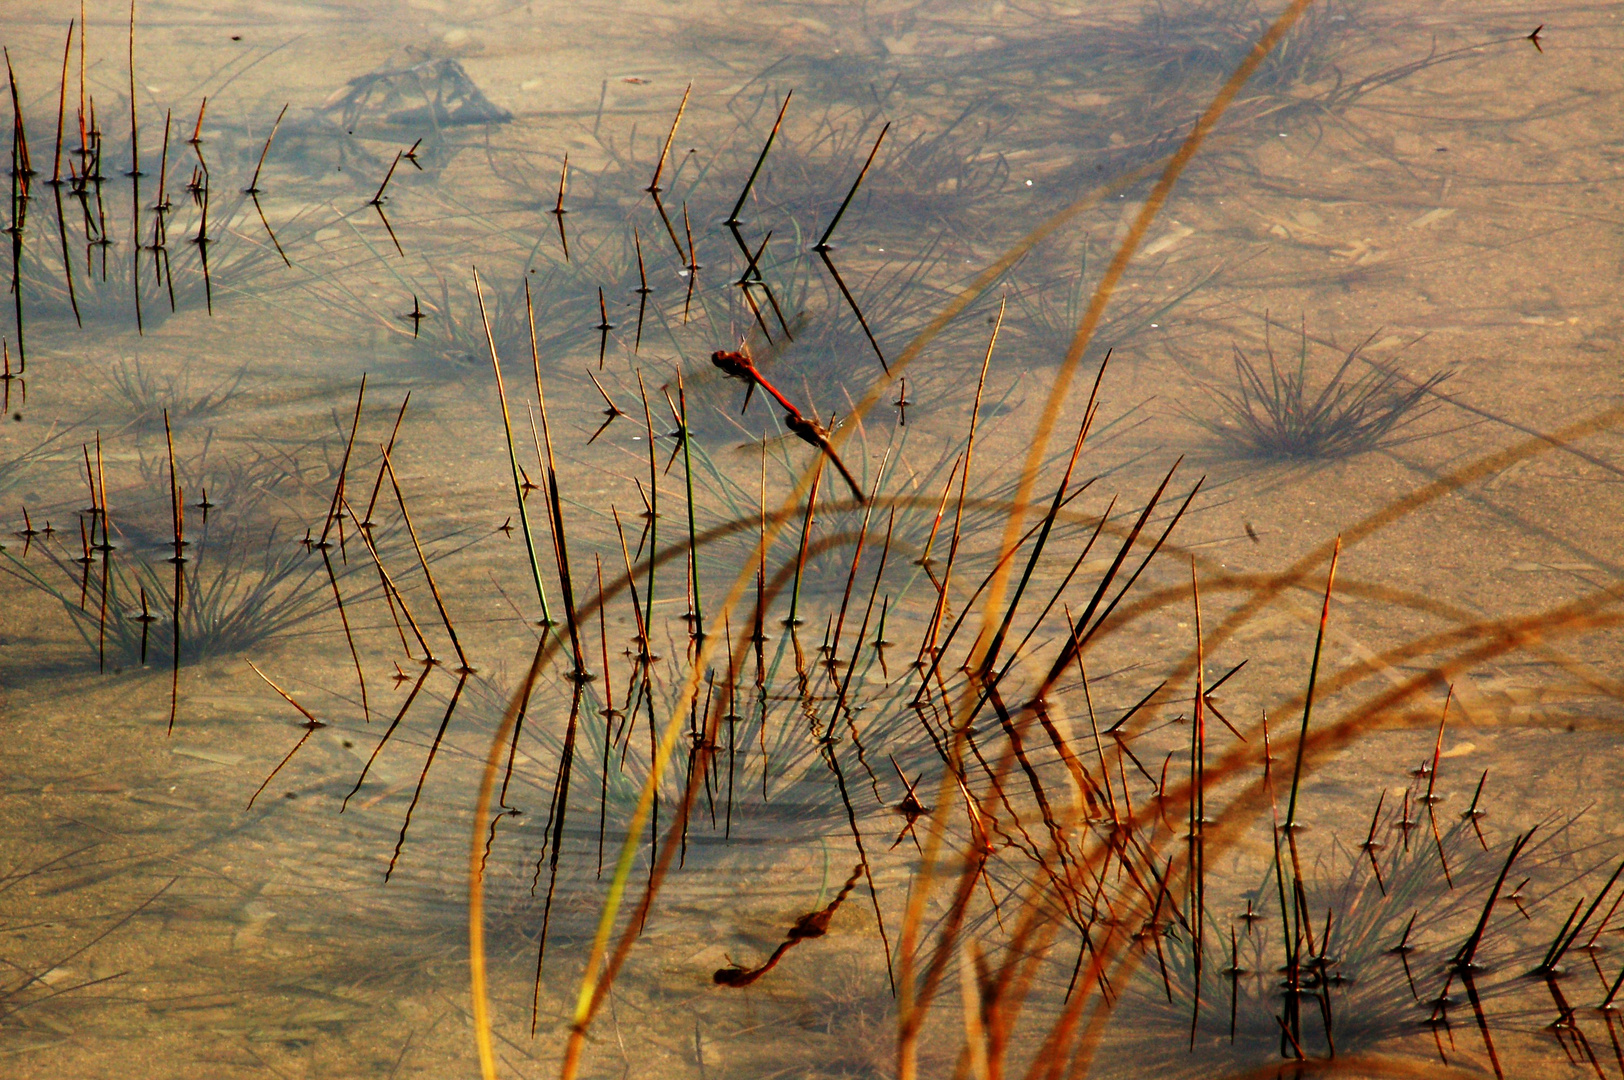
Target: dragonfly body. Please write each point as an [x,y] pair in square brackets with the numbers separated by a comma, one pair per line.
[740,365]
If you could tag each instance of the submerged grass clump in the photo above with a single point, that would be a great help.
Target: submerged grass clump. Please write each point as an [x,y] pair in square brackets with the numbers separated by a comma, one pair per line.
[145,396]
[1278,413]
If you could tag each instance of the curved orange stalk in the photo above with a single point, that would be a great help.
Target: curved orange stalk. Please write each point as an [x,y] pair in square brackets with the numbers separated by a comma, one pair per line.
[908,1024]
[1039,443]
[1512,635]
[591,988]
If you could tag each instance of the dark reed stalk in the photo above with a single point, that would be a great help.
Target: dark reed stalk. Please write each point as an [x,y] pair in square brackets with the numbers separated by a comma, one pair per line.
[555,823]
[826,744]
[162,205]
[349,638]
[377,197]
[560,539]
[758,634]
[761,159]
[201,189]
[135,142]
[146,619]
[697,624]
[609,713]
[996,644]
[101,501]
[416,315]
[927,641]
[665,151]
[1308,700]
[610,411]
[692,264]
[179,560]
[507,429]
[1590,945]
[1372,845]
[751,277]
[648,615]
[393,724]
[1559,947]
[851,301]
[344,464]
[22,168]
[1612,992]
[792,620]
[1462,961]
[603,327]
[84,32]
[101,618]
[7,377]
[856,650]
[558,212]
[85,560]
[311,726]
[823,241]
[644,654]
[653,502]
[642,304]
[1432,800]
[135,228]
[1472,813]
[377,484]
[434,747]
[822,247]
[654,188]
[392,591]
[924,561]
[20,178]
[394,482]
[277,244]
[61,107]
[106,550]
[1197,873]
[160,225]
[507,776]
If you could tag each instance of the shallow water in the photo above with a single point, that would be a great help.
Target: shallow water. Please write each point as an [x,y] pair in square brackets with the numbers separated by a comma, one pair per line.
[1428,183]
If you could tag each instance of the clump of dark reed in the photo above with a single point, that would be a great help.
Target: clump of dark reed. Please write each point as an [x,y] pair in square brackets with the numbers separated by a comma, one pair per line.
[1427,929]
[198,558]
[1279,413]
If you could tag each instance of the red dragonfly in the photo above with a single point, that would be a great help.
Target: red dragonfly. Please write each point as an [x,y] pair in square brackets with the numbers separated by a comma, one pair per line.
[740,365]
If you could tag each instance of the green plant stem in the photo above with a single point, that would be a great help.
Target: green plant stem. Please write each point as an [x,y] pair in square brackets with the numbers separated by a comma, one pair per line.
[513,460]
[1308,700]
[693,540]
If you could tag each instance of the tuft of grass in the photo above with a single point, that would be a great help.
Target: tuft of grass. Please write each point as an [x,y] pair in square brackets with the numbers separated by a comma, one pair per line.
[143,394]
[1275,412]
[1388,916]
